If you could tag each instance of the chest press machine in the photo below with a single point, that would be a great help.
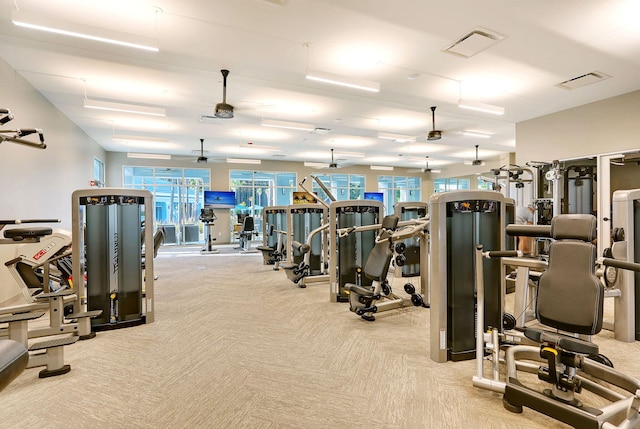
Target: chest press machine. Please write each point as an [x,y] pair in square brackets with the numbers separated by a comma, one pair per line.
[569,303]
[388,247]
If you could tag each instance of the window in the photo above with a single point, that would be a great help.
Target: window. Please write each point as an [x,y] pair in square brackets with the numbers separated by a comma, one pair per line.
[178,196]
[256,190]
[98,173]
[342,186]
[443,185]
[399,189]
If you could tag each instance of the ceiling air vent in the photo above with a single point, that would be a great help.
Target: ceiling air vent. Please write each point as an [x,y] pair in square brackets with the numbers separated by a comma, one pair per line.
[584,80]
[474,42]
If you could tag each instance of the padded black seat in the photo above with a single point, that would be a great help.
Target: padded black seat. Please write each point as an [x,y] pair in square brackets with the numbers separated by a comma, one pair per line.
[19,234]
[564,342]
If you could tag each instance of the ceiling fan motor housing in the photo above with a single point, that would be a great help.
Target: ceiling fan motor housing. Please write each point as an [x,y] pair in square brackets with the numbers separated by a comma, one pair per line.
[434,135]
[224,111]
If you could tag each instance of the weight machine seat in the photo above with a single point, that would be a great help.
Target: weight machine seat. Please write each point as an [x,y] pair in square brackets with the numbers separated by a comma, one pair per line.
[377,266]
[564,342]
[13,360]
[569,298]
[19,234]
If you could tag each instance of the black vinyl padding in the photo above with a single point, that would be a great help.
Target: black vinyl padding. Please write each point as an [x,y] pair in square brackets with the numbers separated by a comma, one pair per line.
[22,233]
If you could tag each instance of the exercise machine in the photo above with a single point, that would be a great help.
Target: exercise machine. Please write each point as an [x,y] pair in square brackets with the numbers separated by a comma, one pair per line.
[348,254]
[107,243]
[208,218]
[567,362]
[274,235]
[40,262]
[458,221]
[18,135]
[306,254]
[626,247]
[31,270]
[410,266]
[389,249]
[245,235]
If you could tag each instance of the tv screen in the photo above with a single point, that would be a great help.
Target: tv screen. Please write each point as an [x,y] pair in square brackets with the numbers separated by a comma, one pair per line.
[377,196]
[220,199]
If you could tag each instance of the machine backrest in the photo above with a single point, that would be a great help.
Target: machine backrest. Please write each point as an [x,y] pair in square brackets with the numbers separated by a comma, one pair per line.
[377,265]
[247,224]
[570,296]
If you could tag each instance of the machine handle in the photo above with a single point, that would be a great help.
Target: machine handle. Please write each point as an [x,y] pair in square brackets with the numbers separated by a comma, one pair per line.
[529,230]
[300,247]
[503,253]
[625,265]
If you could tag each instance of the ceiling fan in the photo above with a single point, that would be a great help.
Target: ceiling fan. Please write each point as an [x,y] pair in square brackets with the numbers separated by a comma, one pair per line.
[434,134]
[200,157]
[424,169]
[332,165]
[475,161]
[223,110]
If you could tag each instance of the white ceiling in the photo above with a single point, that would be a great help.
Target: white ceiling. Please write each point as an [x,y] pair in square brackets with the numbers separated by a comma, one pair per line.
[268,49]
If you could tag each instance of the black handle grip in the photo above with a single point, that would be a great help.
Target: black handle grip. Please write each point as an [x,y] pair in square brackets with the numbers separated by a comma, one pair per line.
[502,253]
[529,230]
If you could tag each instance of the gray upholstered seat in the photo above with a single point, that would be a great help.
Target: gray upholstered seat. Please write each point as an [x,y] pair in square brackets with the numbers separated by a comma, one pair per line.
[570,296]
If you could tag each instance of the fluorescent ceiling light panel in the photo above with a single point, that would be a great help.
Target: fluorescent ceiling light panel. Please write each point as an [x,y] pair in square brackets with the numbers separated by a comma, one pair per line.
[365,85]
[474,42]
[398,138]
[243,161]
[480,107]
[124,137]
[148,155]
[475,134]
[123,107]
[288,125]
[349,154]
[381,167]
[316,164]
[49,25]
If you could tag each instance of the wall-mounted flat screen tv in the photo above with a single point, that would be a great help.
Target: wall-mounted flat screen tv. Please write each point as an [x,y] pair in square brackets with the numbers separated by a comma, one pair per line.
[220,199]
[377,196]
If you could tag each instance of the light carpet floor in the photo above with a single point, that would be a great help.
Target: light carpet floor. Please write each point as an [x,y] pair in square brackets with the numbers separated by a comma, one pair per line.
[237,345]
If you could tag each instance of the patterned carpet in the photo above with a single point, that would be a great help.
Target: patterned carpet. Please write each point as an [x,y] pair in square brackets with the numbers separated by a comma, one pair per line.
[236,345]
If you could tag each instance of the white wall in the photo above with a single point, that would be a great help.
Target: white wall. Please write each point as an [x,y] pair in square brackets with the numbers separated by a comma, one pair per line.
[38,183]
[602,127]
